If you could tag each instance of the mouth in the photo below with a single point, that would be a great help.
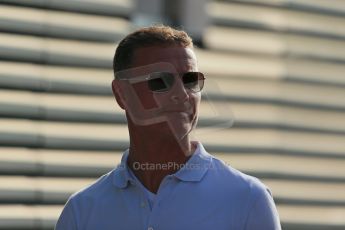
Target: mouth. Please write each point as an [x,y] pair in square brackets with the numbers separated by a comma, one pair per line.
[186,112]
[187,115]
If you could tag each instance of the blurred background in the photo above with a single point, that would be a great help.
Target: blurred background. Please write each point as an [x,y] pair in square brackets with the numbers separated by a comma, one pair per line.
[277,64]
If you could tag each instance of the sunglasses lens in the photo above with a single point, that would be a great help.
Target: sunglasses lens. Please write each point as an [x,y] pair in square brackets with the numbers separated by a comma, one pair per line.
[193,81]
[161,81]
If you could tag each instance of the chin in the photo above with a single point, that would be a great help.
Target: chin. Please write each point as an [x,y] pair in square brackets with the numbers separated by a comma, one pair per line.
[182,132]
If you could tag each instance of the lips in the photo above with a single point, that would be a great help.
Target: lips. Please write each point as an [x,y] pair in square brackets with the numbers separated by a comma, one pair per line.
[186,111]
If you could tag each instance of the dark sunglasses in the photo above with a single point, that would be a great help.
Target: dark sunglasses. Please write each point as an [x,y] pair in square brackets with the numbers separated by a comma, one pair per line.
[163,81]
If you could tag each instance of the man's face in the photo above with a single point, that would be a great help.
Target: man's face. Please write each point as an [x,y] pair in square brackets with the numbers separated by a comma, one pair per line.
[177,106]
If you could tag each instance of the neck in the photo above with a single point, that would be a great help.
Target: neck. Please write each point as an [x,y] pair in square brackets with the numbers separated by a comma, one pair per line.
[152,156]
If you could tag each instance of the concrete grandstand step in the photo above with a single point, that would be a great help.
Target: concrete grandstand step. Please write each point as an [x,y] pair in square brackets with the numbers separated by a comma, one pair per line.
[314,72]
[33,217]
[38,190]
[68,163]
[55,51]
[84,27]
[311,217]
[30,190]
[219,12]
[226,64]
[278,166]
[236,66]
[99,55]
[284,142]
[241,40]
[308,193]
[235,89]
[76,108]
[317,6]
[121,8]
[57,163]
[55,78]
[282,20]
[278,92]
[61,24]
[62,135]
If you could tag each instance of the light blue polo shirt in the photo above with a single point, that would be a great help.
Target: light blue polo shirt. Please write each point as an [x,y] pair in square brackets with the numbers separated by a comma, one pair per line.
[205,194]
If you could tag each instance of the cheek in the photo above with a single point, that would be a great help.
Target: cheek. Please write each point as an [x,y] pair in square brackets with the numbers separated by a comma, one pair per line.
[195,100]
[144,95]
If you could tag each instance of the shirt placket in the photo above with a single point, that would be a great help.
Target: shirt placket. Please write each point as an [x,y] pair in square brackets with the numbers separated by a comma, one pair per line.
[162,194]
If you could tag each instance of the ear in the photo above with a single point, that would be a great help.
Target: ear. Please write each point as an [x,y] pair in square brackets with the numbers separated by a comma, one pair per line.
[119,96]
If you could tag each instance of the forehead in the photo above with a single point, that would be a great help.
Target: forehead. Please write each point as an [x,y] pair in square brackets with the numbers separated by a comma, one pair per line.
[182,58]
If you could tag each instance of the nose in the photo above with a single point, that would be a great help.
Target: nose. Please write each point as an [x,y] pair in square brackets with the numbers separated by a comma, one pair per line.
[179,93]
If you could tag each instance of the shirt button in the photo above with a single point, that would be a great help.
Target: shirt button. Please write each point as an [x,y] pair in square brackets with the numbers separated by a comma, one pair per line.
[149,228]
[142,204]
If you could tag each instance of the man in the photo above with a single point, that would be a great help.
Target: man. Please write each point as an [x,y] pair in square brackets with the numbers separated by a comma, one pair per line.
[165,180]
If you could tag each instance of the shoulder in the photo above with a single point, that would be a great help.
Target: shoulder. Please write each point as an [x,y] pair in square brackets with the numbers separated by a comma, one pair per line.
[252,198]
[240,189]
[233,177]
[99,188]
[81,204]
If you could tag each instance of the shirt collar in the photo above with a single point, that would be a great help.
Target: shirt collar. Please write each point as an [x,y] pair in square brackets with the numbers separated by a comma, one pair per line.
[196,167]
[193,170]
[121,174]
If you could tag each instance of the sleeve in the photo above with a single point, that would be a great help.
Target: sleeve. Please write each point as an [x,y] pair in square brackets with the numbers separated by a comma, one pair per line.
[66,220]
[263,213]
